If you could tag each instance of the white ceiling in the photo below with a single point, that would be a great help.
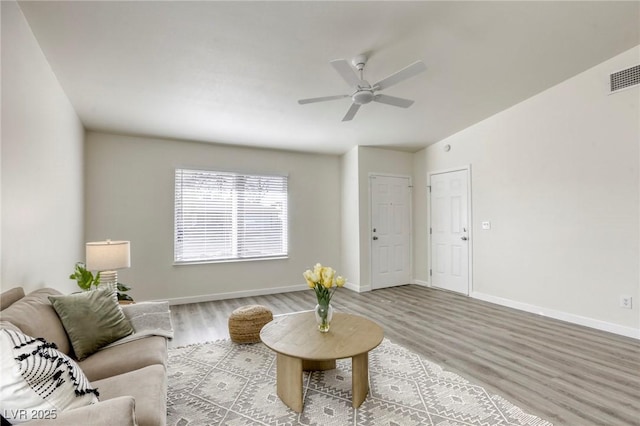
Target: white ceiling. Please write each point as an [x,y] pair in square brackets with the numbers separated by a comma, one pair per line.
[232,72]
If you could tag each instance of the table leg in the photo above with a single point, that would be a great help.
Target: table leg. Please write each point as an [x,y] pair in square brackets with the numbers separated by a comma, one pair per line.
[359,379]
[289,381]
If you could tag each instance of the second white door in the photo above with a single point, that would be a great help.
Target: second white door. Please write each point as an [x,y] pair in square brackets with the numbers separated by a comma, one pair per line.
[390,231]
[450,231]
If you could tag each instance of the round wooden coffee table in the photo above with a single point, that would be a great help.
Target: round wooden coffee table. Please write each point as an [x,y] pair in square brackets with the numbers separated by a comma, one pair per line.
[301,347]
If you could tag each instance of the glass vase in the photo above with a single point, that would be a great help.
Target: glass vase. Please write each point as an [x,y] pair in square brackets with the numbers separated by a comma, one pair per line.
[324,314]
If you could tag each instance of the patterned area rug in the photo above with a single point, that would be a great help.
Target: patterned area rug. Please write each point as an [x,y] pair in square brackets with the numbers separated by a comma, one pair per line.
[222,383]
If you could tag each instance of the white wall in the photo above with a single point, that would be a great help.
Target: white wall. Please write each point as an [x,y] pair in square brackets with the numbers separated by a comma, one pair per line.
[558,177]
[129,193]
[376,161]
[420,220]
[350,193]
[42,175]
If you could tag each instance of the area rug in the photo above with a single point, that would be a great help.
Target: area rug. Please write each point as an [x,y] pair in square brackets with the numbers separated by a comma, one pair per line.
[223,383]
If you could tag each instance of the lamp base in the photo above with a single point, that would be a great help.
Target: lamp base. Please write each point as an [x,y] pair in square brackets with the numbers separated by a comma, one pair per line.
[108,278]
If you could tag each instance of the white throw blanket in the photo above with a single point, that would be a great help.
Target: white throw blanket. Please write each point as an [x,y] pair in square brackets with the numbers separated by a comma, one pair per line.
[147,319]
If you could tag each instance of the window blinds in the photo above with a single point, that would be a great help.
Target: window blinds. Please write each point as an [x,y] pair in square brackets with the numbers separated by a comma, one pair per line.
[227,216]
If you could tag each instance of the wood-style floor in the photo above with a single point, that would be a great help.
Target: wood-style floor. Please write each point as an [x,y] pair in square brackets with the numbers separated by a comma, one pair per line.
[564,373]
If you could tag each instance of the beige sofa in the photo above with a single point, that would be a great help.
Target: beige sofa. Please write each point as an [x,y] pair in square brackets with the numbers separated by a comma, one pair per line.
[131,378]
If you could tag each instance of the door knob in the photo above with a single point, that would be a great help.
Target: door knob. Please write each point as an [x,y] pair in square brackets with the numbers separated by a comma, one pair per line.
[375,238]
[463,238]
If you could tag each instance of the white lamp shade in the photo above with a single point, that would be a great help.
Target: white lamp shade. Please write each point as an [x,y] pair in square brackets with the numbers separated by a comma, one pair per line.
[108,255]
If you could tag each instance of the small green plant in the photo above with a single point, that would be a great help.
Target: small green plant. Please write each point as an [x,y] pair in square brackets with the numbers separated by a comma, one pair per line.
[121,292]
[86,280]
[84,277]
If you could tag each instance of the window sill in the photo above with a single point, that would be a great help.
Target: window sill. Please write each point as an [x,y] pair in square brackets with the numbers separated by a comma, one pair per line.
[252,259]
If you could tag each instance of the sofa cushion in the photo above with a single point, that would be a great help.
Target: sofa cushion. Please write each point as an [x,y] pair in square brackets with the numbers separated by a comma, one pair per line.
[34,316]
[91,319]
[147,385]
[114,412]
[37,378]
[126,357]
[9,326]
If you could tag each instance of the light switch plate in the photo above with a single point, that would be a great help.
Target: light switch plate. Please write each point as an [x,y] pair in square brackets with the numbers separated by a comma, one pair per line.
[486,225]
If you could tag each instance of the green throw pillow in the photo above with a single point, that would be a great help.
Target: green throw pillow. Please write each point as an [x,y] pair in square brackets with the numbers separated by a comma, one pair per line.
[92,319]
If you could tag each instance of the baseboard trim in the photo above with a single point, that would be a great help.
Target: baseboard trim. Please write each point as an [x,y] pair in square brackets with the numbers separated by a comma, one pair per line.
[357,288]
[235,294]
[560,315]
[422,283]
[250,293]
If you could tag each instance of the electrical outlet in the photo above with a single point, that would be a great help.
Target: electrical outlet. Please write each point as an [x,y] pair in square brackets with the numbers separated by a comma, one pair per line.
[626,302]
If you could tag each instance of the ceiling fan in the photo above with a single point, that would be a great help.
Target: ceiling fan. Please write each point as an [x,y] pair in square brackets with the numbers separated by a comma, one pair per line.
[363,91]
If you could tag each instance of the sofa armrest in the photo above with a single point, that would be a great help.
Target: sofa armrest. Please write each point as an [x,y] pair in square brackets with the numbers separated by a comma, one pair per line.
[9,297]
[117,411]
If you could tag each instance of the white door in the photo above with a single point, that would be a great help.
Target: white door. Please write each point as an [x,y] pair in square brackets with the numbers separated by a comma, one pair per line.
[390,231]
[450,231]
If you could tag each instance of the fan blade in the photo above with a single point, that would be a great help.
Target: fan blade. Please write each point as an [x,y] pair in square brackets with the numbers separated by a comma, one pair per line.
[352,112]
[392,100]
[346,72]
[322,99]
[405,73]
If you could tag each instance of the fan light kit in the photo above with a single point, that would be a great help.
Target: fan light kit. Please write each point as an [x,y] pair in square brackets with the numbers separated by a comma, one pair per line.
[364,92]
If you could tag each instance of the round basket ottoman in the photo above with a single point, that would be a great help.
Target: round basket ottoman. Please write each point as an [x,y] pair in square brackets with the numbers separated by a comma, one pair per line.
[246,322]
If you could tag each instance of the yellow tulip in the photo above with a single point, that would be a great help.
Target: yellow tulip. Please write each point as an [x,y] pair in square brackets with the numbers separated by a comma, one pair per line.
[324,281]
[327,277]
[310,277]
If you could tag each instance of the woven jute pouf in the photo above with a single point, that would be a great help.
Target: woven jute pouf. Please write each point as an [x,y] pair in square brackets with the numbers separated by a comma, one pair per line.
[246,322]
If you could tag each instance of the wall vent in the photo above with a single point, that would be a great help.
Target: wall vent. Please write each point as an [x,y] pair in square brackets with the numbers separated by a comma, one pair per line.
[624,79]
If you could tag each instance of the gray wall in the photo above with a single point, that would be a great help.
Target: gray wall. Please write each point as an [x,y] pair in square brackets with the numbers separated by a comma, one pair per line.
[42,166]
[558,177]
[130,190]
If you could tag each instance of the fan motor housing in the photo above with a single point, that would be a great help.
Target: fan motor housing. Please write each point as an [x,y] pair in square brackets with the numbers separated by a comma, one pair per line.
[362,97]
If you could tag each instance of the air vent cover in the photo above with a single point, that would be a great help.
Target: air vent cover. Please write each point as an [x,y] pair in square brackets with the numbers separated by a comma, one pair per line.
[625,78]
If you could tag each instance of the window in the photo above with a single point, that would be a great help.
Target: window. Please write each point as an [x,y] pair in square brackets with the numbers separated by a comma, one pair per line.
[227,216]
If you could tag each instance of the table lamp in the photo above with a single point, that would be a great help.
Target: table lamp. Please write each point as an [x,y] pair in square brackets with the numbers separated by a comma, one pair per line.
[106,257]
